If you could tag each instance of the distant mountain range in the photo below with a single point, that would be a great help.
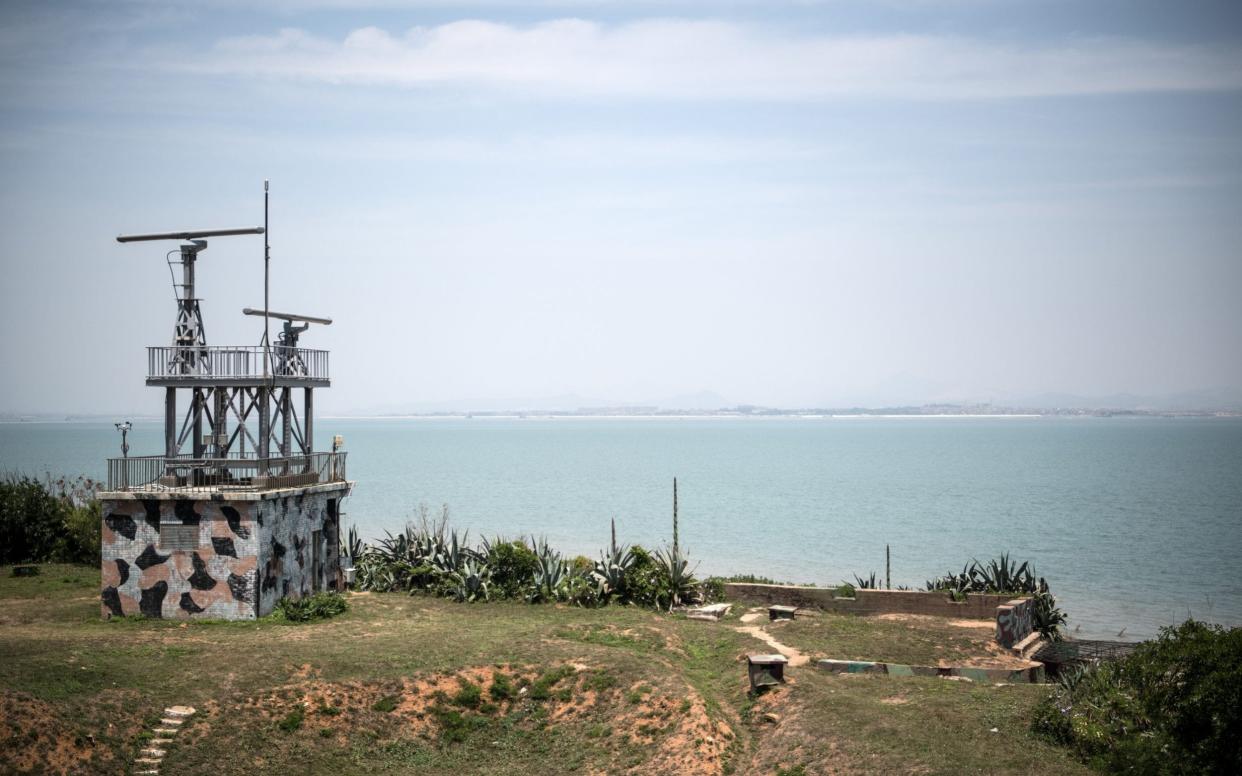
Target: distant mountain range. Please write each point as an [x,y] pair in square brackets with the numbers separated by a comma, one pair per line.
[1227,401]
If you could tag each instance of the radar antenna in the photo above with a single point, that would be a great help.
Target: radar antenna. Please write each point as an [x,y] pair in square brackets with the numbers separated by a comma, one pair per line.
[189,337]
[287,360]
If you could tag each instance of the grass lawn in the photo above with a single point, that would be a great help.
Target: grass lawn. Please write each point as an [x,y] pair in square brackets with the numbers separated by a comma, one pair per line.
[403,684]
[903,639]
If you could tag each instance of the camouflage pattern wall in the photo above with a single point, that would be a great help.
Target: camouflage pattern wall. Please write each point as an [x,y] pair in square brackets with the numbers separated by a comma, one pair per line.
[289,528]
[216,559]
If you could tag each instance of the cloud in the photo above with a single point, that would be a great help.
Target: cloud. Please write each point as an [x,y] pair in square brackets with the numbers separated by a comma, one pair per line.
[683,59]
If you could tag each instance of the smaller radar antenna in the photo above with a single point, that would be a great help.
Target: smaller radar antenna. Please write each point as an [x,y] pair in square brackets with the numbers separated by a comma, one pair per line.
[287,359]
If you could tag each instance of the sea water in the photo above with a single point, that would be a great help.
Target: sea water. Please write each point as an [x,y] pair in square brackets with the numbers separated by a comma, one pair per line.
[1135,522]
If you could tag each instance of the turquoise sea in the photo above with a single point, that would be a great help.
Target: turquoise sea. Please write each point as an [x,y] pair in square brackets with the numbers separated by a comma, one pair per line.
[1136,522]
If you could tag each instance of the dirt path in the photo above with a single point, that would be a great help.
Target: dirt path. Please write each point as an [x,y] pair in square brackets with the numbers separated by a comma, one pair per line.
[796,658]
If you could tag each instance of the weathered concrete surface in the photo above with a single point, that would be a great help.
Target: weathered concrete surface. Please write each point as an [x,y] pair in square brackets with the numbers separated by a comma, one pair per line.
[978,606]
[239,557]
[1032,674]
[1014,621]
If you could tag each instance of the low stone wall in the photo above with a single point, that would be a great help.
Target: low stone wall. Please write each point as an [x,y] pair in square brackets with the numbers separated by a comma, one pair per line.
[1034,674]
[977,606]
[1014,621]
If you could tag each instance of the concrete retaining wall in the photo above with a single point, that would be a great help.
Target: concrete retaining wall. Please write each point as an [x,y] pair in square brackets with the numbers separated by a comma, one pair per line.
[977,606]
[1014,621]
[1032,675]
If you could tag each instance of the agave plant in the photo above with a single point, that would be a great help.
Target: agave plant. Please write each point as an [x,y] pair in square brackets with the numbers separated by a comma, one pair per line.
[1003,575]
[675,567]
[551,576]
[375,574]
[867,583]
[953,583]
[610,569]
[454,553]
[471,580]
[352,546]
[1046,617]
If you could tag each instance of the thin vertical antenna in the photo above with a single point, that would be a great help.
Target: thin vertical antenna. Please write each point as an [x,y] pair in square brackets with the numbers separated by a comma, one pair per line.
[267,260]
[888,569]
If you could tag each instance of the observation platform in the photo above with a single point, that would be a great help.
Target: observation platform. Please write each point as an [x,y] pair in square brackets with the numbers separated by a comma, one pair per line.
[236,365]
[184,476]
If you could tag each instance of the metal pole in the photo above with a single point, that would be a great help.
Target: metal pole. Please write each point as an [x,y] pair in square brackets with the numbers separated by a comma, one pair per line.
[888,569]
[308,420]
[170,422]
[267,259]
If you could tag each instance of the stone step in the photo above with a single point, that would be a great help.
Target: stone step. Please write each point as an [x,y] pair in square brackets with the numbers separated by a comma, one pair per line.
[179,711]
[150,762]
[1028,646]
[168,722]
[160,741]
[146,772]
[167,731]
[153,752]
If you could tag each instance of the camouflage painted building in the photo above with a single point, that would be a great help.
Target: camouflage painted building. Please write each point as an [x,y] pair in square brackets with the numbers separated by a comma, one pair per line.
[239,510]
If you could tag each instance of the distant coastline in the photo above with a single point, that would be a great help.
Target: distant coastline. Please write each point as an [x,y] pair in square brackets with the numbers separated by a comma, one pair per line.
[964,411]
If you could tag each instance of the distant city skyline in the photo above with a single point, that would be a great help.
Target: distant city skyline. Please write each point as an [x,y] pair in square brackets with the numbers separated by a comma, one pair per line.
[787,204]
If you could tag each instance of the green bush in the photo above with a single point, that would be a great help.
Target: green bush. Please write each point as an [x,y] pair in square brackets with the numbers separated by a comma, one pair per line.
[30,521]
[513,566]
[1172,706]
[646,584]
[469,696]
[713,590]
[80,541]
[293,720]
[54,521]
[501,689]
[319,606]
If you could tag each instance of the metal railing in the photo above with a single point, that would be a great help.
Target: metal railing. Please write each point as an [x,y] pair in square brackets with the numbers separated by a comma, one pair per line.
[156,473]
[231,362]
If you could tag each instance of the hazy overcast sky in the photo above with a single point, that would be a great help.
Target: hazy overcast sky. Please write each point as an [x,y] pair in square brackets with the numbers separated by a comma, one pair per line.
[789,203]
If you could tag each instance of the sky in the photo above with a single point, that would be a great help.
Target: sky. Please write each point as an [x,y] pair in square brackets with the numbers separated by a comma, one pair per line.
[511,204]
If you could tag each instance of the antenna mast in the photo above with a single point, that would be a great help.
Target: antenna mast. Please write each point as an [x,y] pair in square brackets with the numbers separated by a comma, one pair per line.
[267,259]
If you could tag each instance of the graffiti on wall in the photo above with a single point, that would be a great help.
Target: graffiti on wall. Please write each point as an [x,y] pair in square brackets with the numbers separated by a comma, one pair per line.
[1014,621]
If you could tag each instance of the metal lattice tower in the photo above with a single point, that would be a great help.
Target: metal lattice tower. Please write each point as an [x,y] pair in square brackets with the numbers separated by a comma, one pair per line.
[242,413]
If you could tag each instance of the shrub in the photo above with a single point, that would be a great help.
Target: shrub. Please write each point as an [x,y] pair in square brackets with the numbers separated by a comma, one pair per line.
[646,584]
[29,520]
[386,704]
[80,541]
[1172,706]
[752,579]
[502,688]
[319,606]
[58,520]
[293,720]
[513,567]
[541,690]
[470,694]
[712,590]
